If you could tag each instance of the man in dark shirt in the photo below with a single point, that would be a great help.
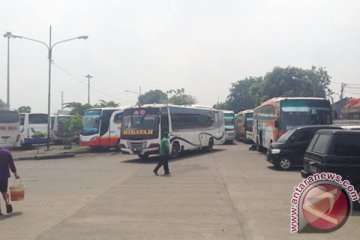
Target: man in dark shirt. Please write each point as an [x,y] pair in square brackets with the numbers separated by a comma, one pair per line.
[6,164]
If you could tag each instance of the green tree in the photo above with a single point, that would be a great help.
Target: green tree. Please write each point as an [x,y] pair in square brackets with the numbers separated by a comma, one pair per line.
[240,97]
[180,98]
[153,96]
[75,123]
[24,109]
[77,108]
[296,82]
[103,104]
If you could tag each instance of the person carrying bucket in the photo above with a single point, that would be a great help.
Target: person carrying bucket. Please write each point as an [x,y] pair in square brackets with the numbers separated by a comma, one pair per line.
[6,164]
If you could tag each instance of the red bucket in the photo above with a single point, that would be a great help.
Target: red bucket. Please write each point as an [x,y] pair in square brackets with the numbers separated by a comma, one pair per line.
[17,191]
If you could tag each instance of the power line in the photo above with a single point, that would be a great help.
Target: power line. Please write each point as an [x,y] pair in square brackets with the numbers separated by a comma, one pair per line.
[85,84]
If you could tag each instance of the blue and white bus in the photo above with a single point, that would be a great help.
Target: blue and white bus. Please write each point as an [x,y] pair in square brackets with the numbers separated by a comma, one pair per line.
[33,128]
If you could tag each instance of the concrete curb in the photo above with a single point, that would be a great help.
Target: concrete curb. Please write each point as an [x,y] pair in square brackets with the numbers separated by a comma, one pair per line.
[54,156]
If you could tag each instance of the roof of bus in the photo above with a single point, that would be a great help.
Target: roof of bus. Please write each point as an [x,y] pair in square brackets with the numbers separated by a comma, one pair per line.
[227,111]
[246,111]
[172,105]
[107,108]
[278,99]
[8,109]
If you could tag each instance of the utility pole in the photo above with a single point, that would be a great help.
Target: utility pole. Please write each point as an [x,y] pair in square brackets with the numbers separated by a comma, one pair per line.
[342,91]
[62,100]
[88,77]
[8,35]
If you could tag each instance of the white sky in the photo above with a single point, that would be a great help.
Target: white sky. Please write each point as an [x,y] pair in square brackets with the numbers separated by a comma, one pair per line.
[200,45]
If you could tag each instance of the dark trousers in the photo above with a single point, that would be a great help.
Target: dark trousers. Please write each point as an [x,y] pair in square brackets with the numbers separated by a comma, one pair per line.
[164,161]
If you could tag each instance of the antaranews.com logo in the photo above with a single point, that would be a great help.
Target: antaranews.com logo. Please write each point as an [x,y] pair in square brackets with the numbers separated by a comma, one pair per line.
[321,203]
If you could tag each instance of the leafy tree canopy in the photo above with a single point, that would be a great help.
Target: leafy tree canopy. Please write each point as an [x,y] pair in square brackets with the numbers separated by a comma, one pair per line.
[103,104]
[180,98]
[77,108]
[153,96]
[280,82]
[24,109]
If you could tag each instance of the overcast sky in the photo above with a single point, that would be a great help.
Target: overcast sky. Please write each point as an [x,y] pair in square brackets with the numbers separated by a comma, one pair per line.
[200,45]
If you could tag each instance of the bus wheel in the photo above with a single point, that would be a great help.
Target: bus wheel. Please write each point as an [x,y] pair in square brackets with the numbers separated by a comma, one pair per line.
[143,156]
[211,145]
[175,150]
[284,163]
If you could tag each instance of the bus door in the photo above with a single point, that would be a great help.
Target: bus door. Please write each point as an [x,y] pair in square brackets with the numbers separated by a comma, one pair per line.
[105,134]
[164,121]
[115,128]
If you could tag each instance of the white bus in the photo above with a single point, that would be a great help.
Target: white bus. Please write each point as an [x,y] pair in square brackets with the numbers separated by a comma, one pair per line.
[33,128]
[229,118]
[101,127]
[9,128]
[189,128]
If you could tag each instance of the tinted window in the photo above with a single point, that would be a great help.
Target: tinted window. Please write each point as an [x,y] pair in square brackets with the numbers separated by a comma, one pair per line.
[303,135]
[321,143]
[118,117]
[105,120]
[9,117]
[347,145]
[183,118]
[38,118]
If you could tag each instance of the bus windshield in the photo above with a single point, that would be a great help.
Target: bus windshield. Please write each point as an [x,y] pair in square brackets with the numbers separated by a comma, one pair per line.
[91,122]
[140,123]
[229,119]
[311,112]
[9,117]
[249,122]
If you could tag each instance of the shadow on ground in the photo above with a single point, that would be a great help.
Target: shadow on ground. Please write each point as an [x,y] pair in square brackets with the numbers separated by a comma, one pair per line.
[184,155]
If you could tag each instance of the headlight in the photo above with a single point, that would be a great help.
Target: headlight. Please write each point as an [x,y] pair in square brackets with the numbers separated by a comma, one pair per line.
[275,151]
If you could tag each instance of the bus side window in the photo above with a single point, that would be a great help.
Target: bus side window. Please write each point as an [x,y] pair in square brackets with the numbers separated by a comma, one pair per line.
[164,122]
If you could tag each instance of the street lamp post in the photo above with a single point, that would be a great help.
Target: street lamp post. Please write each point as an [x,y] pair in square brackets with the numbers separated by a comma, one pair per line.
[88,77]
[50,47]
[8,35]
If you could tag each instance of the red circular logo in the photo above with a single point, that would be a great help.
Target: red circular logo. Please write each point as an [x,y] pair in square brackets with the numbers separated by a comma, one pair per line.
[325,206]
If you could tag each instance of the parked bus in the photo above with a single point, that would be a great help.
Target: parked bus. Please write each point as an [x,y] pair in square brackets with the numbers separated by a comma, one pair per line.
[33,128]
[189,128]
[9,128]
[244,126]
[277,115]
[101,127]
[229,118]
[59,128]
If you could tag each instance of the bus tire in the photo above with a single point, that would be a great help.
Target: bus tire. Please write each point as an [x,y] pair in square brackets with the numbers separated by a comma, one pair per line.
[284,163]
[143,156]
[210,147]
[175,150]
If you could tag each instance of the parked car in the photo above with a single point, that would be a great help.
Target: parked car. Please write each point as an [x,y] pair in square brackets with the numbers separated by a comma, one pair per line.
[288,151]
[336,151]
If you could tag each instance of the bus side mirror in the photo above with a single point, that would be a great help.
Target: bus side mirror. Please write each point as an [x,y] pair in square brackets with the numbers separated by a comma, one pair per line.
[276,123]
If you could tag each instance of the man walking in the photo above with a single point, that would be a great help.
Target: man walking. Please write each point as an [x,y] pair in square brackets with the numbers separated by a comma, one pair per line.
[164,155]
[6,164]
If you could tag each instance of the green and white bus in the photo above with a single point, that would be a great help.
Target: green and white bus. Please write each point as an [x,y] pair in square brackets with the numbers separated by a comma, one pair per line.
[229,118]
